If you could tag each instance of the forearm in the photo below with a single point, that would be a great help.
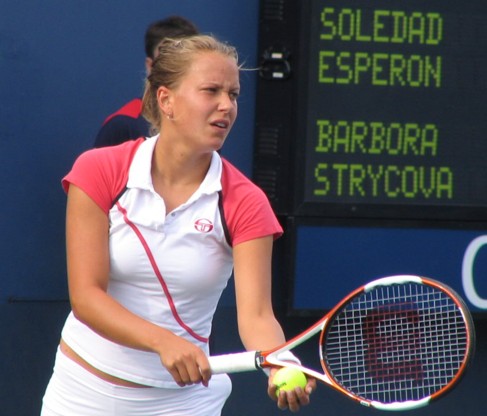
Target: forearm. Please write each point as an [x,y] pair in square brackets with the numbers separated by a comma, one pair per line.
[98,310]
[260,333]
[258,327]
[185,361]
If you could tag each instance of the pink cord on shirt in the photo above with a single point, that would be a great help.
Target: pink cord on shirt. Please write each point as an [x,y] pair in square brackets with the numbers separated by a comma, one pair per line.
[159,275]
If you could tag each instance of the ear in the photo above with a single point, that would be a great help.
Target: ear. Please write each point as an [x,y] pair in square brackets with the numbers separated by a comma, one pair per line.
[164,101]
[148,65]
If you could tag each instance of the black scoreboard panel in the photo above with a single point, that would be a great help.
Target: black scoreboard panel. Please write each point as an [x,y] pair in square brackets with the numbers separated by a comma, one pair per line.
[373,109]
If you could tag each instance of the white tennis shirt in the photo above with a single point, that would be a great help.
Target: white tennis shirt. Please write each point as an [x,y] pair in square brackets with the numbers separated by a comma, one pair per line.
[168,268]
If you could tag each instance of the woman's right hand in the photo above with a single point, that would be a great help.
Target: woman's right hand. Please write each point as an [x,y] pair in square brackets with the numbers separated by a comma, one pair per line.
[187,363]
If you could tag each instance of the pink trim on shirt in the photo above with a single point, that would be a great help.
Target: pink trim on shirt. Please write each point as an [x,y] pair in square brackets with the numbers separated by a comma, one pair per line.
[103,173]
[247,210]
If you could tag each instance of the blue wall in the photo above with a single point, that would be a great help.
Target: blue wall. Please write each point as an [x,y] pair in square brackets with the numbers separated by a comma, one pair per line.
[64,66]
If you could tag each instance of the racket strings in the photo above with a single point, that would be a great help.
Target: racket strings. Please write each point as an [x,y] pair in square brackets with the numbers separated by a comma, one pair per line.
[396,343]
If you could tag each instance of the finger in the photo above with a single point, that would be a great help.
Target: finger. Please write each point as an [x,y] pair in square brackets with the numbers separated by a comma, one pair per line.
[272,388]
[302,396]
[282,400]
[199,371]
[205,374]
[176,376]
[310,386]
[194,375]
[272,391]
[184,374]
[293,399]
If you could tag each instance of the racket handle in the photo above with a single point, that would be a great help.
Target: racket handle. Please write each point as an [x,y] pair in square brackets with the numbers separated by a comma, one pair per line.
[234,363]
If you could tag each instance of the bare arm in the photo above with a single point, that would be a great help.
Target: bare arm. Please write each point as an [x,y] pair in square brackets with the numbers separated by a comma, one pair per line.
[88,274]
[258,327]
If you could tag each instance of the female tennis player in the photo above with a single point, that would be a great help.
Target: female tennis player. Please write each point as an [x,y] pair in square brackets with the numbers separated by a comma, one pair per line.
[154,229]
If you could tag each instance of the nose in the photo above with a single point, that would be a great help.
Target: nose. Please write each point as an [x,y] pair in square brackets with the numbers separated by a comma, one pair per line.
[226,102]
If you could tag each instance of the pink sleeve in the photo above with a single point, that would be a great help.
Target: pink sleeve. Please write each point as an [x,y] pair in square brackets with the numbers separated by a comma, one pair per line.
[102,173]
[248,212]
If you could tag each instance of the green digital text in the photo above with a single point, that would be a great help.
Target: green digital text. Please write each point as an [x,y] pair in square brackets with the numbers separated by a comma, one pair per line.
[379,69]
[376,138]
[381,26]
[383,181]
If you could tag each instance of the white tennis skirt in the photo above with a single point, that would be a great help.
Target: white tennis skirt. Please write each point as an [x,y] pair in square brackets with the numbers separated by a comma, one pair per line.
[73,391]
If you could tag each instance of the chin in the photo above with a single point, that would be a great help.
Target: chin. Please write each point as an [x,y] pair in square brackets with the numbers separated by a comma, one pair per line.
[218,145]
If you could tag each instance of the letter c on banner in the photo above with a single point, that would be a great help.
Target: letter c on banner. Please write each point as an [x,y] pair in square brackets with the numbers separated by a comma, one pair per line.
[467,272]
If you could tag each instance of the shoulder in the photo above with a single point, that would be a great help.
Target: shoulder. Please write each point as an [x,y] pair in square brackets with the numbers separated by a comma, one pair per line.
[109,158]
[132,109]
[127,123]
[247,209]
[233,178]
[238,188]
[102,173]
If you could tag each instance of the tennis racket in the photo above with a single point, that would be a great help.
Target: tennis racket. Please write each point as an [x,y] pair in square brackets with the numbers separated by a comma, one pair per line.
[396,343]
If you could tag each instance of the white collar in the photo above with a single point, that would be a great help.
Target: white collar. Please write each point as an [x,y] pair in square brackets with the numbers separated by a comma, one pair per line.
[140,170]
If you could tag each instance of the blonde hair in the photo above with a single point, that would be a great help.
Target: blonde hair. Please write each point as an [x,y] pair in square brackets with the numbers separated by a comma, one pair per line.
[174,59]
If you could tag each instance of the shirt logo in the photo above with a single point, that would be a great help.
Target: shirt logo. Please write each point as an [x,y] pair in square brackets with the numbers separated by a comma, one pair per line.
[203,225]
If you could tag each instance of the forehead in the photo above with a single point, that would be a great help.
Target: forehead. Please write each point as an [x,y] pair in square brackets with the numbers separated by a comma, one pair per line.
[213,66]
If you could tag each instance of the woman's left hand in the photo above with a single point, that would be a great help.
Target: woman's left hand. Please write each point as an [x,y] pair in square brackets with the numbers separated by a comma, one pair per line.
[293,399]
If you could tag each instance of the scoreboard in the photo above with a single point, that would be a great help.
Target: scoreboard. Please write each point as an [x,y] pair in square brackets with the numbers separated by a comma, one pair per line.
[373,109]
[371,142]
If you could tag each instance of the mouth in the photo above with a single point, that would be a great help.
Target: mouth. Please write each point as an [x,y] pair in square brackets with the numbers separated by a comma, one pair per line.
[221,124]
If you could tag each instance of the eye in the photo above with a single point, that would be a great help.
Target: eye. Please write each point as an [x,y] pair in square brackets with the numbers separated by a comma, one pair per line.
[233,95]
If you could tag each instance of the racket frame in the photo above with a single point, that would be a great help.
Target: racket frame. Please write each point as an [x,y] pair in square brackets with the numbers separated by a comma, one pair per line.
[254,360]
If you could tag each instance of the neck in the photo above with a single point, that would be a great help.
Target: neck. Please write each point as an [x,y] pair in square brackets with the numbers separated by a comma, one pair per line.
[174,165]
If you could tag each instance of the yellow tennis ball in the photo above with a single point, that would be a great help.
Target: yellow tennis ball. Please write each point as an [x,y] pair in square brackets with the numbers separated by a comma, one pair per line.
[287,378]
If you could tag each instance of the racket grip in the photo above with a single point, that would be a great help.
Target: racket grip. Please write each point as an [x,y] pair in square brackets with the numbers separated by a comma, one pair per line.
[234,363]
